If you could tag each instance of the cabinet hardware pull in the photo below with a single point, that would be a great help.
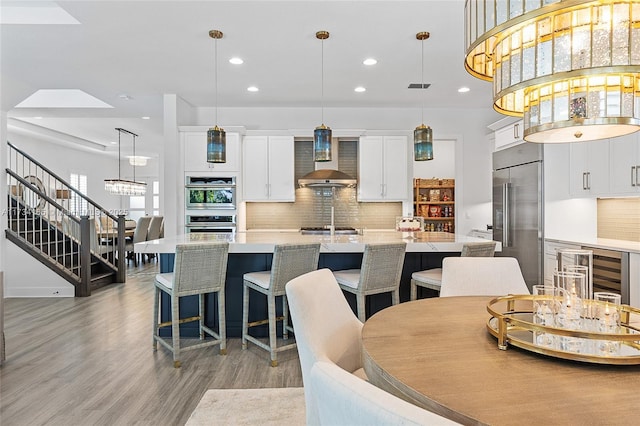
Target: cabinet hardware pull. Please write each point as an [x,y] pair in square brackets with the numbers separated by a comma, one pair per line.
[584,181]
[516,133]
[637,168]
[505,214]
[634,176]
[589,180]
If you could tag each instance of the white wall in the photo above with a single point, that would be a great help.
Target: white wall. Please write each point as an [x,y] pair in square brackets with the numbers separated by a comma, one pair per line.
[27,277]
[443,164]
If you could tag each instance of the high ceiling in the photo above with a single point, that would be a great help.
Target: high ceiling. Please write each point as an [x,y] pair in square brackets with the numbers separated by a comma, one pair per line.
[144,49]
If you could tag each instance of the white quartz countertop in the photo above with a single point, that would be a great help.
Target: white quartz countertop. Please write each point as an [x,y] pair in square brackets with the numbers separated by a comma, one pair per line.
[602,243]
[264,242]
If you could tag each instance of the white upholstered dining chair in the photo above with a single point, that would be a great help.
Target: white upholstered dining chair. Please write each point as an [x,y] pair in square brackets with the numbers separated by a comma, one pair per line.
[482,276]
[432,278]
[344,399]
[155,226]
[326,329]
[380,272]
[289,261]
[139,235]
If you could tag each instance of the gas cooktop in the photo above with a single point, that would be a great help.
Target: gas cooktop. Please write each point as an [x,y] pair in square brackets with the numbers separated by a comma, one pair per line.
[326,231]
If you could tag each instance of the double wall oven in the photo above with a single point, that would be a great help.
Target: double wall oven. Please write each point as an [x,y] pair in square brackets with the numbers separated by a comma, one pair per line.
[210,192]
[210,204]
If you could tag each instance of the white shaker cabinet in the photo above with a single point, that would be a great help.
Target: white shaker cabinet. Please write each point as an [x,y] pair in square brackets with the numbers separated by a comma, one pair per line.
[509,135]
[589,168]
[625,164]
[383,168]
[268,168]
[195,153]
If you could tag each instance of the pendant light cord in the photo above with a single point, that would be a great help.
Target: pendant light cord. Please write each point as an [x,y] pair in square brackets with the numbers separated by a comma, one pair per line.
[134,158]
[119,133]
[422,84]
[322,84]
[215,67]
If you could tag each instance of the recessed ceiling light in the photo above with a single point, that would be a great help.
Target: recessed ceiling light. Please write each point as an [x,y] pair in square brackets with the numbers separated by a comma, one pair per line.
[125,97]
[370,61]
[146,118]
[252,89]
[62,98]
[236,61]
[37,118]
[463,90]
[360,89]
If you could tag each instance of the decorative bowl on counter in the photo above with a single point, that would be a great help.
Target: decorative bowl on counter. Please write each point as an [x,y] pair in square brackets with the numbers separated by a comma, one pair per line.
[409,223]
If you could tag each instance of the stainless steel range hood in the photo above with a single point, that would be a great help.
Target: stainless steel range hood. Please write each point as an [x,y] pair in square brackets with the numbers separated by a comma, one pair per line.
[326,178]
[326,174]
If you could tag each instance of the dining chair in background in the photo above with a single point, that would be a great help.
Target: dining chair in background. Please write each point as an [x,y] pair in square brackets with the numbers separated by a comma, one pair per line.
[380,272]
[139,235]
[482,276]
[153,233]
[198,269]
[289,261]
[326,329]
[432,278]
[344,399]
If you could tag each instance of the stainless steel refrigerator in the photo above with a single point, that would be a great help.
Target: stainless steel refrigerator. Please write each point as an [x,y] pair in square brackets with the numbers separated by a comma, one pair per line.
[518,207]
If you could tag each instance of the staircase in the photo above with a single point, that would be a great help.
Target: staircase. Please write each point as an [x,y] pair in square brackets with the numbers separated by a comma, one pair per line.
[62,228]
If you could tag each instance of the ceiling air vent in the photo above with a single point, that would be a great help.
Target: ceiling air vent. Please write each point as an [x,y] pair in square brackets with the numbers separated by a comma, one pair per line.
[419,85]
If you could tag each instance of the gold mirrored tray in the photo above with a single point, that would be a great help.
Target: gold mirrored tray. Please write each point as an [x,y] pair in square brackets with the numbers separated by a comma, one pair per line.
[511,322]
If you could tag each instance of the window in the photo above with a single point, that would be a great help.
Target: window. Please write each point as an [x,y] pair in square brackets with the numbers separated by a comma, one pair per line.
[78,206]
[156,198]
[138,204]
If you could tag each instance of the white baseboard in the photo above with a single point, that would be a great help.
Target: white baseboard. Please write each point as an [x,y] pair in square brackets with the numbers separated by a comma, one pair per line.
[39,292]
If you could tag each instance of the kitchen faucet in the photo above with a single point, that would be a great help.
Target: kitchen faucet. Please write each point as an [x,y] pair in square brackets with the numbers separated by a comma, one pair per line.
[332,225]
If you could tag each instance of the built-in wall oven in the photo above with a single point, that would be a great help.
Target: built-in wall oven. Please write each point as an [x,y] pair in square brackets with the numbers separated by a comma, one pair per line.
[210,223]
[204,192]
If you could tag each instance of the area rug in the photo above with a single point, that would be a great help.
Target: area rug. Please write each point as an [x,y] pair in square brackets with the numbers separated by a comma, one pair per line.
[269,406]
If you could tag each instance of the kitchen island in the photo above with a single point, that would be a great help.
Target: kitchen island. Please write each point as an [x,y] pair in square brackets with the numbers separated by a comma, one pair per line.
[252,251]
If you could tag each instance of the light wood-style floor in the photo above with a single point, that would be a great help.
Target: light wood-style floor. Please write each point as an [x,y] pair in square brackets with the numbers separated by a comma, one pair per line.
[89,361]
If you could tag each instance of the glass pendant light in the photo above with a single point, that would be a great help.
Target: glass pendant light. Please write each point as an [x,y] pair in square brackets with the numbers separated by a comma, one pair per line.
[216,136]
[569,68]
[322,133]
[422,135]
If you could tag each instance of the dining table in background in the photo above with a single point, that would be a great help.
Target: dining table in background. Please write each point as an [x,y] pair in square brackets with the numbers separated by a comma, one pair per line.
[438,354]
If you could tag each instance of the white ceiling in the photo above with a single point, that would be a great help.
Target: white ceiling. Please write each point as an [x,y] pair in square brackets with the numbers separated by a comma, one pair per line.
[145,49]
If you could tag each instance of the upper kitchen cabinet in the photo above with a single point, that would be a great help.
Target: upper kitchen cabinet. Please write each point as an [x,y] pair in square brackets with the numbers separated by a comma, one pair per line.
[589,168]
[508,135]
[625,164]
[268,168]
[383,168]
[195,153]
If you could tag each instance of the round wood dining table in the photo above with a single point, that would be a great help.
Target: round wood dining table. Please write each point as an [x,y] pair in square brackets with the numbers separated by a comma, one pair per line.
[438,354]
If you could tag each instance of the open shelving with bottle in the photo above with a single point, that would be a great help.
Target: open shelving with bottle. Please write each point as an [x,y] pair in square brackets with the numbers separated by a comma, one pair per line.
[434,200]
